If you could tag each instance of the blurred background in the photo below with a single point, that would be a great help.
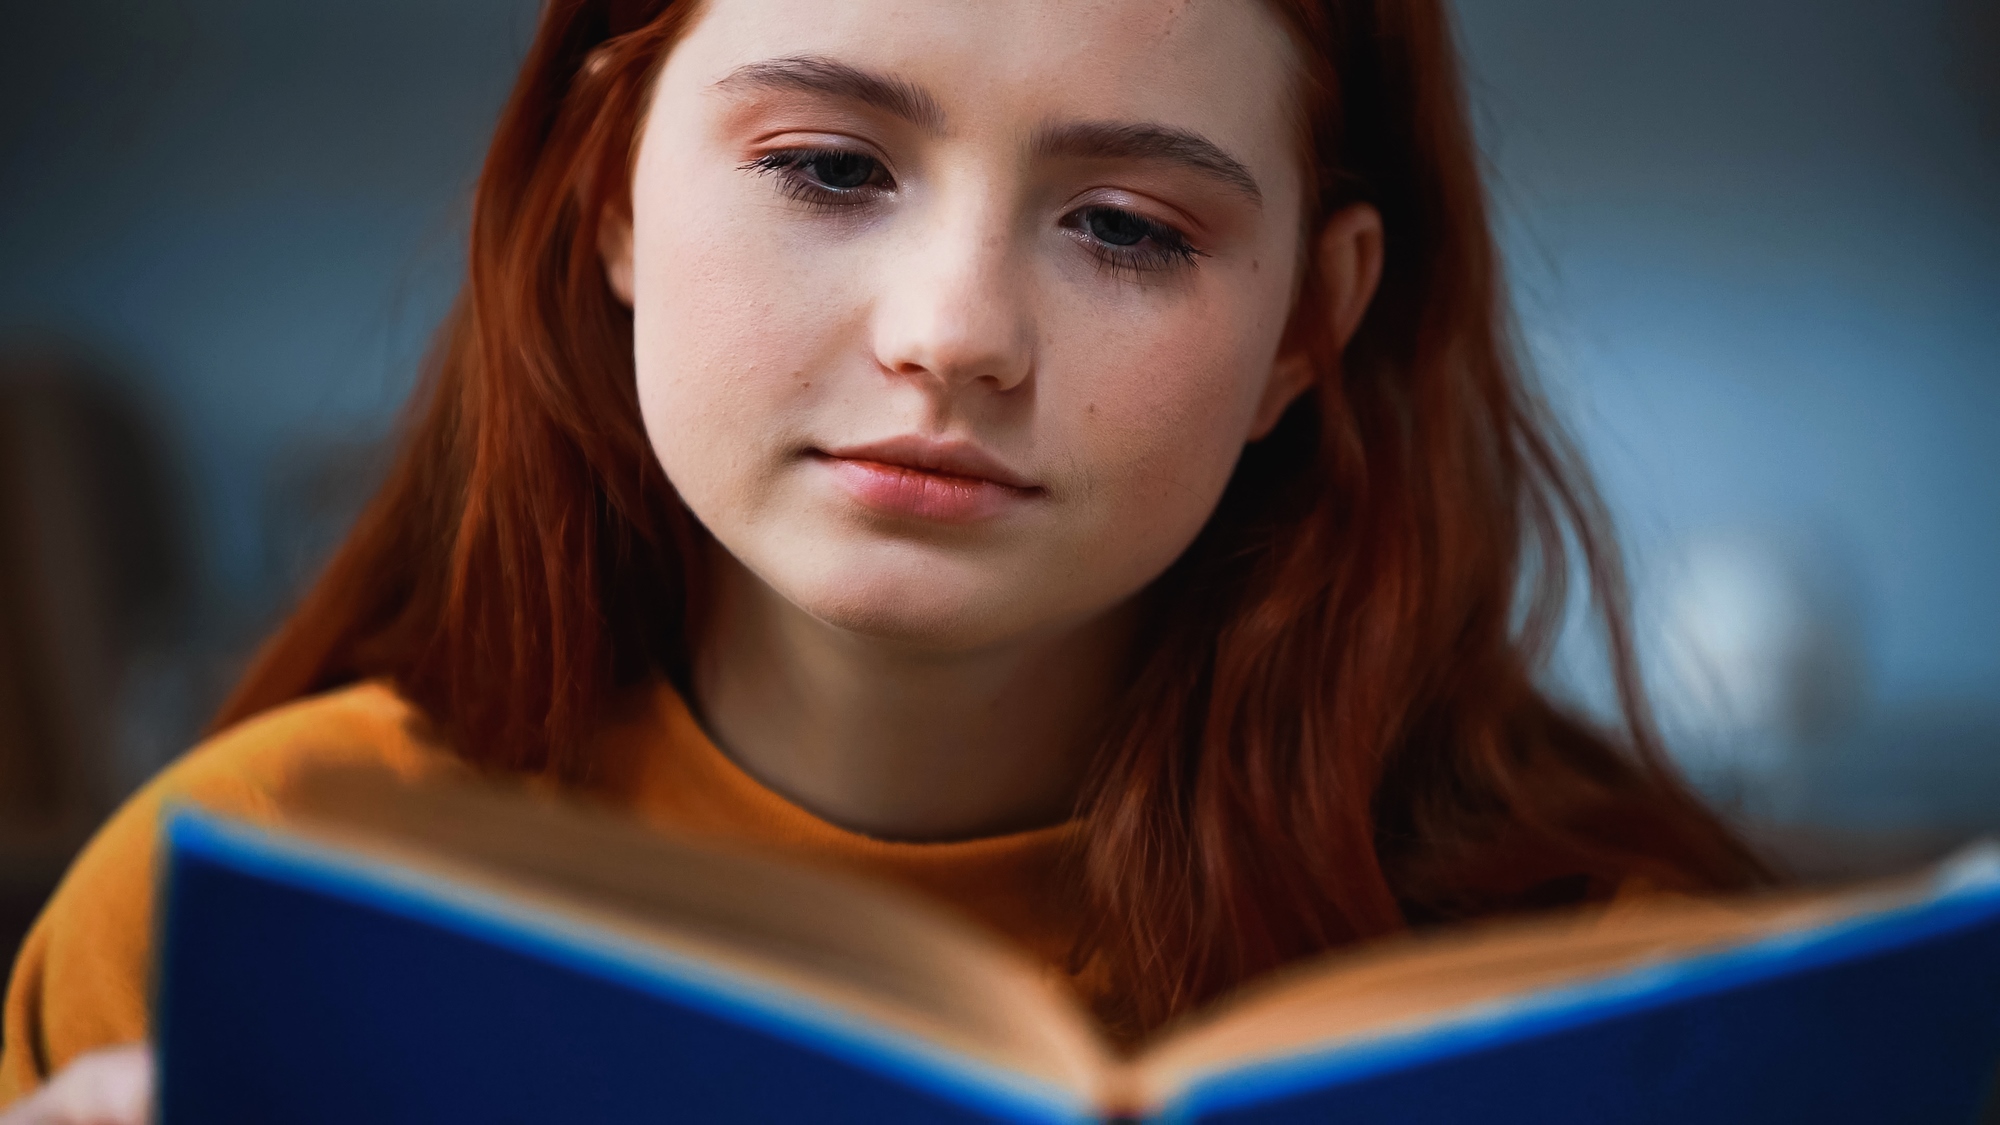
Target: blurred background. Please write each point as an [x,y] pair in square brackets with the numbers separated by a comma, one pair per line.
[1755,245]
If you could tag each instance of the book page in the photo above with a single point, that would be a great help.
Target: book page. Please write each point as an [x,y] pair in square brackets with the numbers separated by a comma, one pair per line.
[1403,983]
[865,948]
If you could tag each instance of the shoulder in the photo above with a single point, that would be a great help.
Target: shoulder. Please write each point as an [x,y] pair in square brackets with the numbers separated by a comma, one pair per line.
[80,980]
[236,770]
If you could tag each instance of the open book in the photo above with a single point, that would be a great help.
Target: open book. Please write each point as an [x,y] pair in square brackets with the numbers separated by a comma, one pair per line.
[466,954]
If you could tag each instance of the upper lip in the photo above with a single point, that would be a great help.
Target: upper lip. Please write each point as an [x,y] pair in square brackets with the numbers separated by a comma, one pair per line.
[958,458]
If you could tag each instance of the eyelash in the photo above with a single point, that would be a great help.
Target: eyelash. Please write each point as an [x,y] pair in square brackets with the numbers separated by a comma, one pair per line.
[1160,247]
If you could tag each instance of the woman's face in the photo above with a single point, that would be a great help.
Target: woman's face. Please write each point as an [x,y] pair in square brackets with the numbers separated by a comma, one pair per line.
[952,319]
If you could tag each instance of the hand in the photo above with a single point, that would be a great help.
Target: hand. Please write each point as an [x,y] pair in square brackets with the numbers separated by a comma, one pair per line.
[109,1086]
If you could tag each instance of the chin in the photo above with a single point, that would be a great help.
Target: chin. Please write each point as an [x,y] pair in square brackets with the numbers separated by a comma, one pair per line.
[932,608]
[933,620]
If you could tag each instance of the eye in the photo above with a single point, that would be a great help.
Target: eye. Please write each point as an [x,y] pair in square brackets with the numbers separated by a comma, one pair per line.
[1116,228]
[842,171]
[1128,241]
[825,177]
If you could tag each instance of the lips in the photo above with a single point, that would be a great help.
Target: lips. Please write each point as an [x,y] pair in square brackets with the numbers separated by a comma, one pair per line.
[925,479]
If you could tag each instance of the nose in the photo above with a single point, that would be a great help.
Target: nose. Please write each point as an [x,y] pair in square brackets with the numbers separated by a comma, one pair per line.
[953,309]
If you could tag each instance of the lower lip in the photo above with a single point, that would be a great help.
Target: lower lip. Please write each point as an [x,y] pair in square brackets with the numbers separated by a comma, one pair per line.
[898,490]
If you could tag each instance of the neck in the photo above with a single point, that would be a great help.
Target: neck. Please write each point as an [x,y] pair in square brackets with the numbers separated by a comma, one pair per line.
[902,741]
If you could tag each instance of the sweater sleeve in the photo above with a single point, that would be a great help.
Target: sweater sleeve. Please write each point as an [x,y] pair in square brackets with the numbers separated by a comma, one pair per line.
[82,979]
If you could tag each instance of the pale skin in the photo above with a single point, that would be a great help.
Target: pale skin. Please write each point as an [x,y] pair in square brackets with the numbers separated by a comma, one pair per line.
[951,322]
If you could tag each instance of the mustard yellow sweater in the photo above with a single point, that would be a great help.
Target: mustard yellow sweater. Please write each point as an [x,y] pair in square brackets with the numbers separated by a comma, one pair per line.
[81,980]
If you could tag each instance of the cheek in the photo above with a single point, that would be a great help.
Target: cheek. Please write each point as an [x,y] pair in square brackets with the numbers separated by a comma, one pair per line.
[726,335]
[1164,414]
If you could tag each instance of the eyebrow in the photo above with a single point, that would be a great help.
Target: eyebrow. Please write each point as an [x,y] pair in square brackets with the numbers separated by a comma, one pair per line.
[1112,140]
[817,74]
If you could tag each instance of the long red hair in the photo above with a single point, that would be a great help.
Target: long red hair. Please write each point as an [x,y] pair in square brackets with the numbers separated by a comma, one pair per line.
[1336,730]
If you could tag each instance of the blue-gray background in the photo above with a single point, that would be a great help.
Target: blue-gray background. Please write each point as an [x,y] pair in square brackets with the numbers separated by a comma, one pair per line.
[1755,244]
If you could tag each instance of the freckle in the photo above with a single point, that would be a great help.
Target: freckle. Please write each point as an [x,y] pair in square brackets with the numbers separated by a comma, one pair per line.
[1090,408]
[1255,265]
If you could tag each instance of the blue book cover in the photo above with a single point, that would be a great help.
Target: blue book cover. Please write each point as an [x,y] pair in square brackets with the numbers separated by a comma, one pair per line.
[389,956]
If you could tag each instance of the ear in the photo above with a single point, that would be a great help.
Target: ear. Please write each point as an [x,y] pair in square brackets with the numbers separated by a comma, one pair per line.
[1348,256]
[614,249]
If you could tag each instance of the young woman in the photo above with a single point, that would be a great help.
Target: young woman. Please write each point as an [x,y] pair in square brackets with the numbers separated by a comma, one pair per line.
[1063,456]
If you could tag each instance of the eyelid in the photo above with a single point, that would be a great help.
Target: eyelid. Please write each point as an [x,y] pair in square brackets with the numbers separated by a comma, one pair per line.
[809,150]
[1145,207]
[802,140]
[1150,206]
[756,109]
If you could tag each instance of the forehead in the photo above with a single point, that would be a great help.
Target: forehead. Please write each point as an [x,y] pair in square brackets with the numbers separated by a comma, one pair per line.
[1219,67]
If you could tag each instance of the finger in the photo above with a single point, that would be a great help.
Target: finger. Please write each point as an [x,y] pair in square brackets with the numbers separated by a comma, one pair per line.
[109,1086]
